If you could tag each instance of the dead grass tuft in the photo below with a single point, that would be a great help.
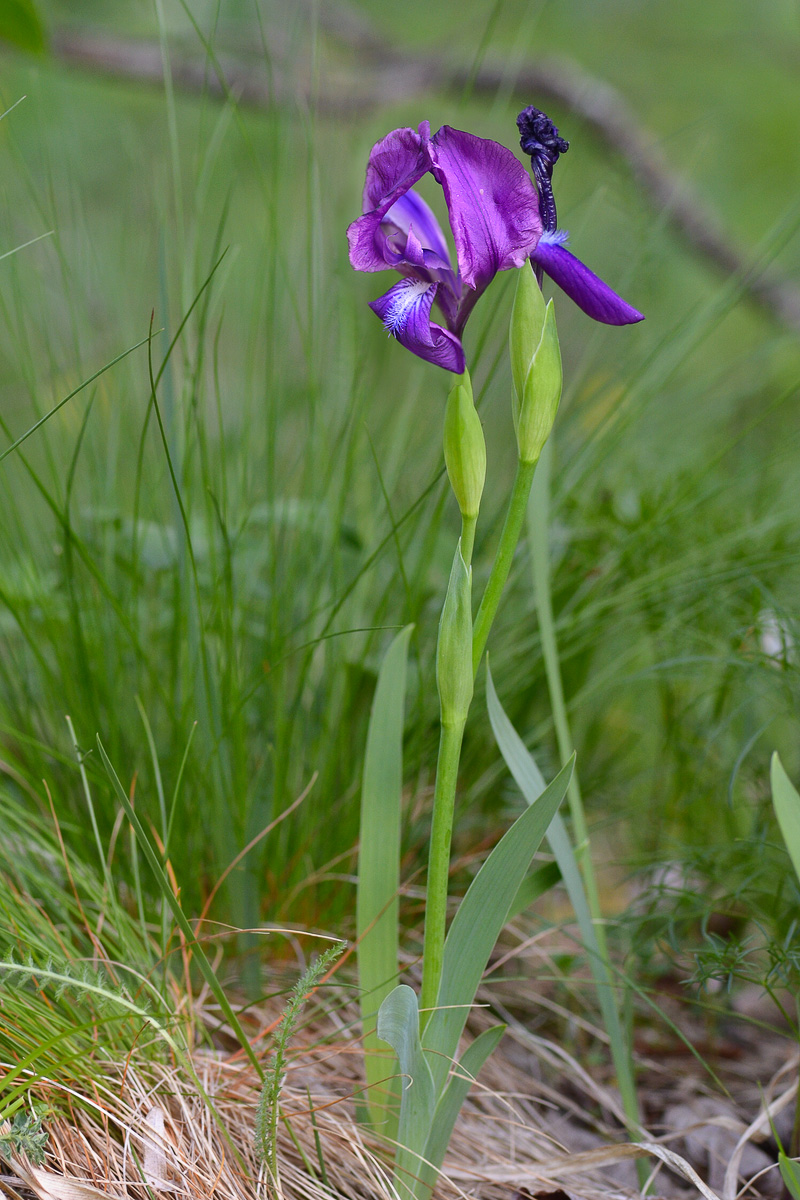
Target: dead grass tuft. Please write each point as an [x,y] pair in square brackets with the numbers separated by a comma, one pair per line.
[535,1119]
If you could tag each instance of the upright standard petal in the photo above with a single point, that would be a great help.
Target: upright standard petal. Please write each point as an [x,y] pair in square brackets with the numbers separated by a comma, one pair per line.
[587,290]
[406,313]
[395,164]
[493,205]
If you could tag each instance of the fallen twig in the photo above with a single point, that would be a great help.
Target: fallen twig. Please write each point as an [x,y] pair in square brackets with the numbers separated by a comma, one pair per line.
[385,75]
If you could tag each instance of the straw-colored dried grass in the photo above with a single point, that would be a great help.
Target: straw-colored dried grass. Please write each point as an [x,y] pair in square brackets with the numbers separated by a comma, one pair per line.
[536,1120]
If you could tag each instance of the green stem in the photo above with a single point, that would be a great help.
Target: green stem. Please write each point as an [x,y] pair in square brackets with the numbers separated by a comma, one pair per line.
[444,802]
[467,537]
[451,736]
[444,799]
[502,564]
[538,527]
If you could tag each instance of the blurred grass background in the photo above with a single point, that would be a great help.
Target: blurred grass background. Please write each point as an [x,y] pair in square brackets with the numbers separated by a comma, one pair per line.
[306,446]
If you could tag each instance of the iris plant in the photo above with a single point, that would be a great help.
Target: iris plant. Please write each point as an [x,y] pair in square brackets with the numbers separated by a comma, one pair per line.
[498,220]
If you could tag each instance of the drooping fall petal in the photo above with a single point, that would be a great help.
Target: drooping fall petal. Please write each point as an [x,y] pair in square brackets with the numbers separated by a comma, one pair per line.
[406,313]
[586,289]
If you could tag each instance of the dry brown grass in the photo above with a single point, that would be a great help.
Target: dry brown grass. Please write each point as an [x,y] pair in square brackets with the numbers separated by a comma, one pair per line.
[536,1120]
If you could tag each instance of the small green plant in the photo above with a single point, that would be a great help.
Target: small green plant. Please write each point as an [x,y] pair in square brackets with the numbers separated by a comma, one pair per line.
[23,1134]
[268,1109]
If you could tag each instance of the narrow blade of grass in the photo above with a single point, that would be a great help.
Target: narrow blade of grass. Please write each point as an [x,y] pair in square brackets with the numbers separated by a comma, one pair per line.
[37,424]
[206,970]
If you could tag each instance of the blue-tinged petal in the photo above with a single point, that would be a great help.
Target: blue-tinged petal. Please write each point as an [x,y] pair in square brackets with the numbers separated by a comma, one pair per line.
[426,264]
[411,211]
[414,252]
[406,313]
[395,164]
[493,205]
[588,291]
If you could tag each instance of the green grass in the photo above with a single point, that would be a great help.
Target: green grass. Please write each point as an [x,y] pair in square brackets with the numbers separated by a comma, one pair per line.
[223,560]
[82,983]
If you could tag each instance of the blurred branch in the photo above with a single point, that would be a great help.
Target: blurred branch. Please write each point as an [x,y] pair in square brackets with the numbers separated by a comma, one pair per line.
[383,75]
[604,109]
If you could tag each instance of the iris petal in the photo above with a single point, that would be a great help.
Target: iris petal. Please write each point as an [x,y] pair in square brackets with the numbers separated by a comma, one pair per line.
[411,210]
[586,289]
[493,205]
[420,263]
[395,165]
[406,313]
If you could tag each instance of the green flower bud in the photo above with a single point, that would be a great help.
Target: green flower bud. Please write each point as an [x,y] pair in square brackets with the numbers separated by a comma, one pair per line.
[464,447]
[525,332]
[454,650]
[541,393]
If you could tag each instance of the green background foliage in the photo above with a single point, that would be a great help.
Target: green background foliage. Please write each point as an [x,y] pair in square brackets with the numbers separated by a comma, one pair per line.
[311,519]
[20,25]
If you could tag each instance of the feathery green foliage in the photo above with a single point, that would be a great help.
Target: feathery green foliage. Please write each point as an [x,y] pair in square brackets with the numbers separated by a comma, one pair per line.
[24,1135]
[267,1111]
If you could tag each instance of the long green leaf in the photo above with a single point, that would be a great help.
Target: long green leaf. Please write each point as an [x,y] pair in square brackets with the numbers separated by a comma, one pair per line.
[379,866]
[790,1174]
[533,886]
[449,1105]
[786,800]
[530,782]
[480,918]
[206,970]
[20,25]
[539,542]
[398,1024]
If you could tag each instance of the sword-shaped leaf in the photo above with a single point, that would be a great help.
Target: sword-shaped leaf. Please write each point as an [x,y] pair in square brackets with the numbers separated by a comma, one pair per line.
[530,782]
[379,872]
[787,810]
[398,1024]
[449,1106]
[480,918]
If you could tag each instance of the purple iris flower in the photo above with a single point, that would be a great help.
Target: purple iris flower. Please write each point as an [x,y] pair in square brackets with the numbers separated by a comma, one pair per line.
[496,219]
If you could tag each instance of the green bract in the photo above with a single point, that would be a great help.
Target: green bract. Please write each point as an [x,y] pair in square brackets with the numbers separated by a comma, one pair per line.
[454,650]
[525,330]
[535,367]
[464,448]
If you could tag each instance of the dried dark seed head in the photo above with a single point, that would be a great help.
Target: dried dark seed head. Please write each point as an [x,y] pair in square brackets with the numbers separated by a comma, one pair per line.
[541,140]
[539,136]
